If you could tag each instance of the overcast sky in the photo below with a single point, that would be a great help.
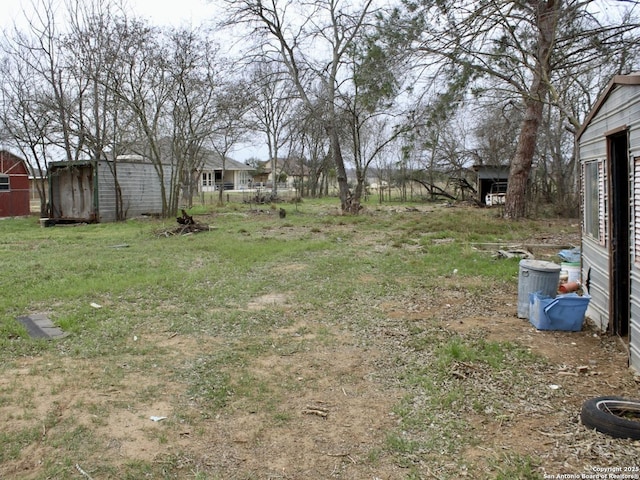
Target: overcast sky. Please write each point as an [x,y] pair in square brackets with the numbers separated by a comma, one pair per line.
[161,12]
[174,12]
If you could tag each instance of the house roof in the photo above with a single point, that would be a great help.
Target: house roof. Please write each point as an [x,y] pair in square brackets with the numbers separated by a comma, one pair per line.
[616,82]
[213,161]
[289,165]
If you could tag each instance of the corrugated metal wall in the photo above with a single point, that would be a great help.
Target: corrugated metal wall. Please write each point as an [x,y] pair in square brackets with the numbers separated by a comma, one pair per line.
[595,265]
[72,191]
[620,109]
[140,187]
[633,119]
[86,191]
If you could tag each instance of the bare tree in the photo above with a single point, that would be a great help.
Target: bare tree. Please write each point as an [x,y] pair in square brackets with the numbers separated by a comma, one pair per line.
[309,139]
[374,120]
[496,132]
[70,75]
[145,88]
[169,85]
[41,95]
[39,48]
[195,73]
[274,102]
[524,47]
[553,181]
[94,41]
[25,120]
[232,104]
[312,42]
[92,82]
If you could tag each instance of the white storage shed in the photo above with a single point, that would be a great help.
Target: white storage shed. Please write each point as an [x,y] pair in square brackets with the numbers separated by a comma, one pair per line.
[608,146]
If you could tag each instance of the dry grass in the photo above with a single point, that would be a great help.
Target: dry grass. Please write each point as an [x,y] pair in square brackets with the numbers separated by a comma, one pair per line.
[316,347]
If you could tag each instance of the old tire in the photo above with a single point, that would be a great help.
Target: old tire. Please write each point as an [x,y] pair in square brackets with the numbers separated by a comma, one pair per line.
[609,415]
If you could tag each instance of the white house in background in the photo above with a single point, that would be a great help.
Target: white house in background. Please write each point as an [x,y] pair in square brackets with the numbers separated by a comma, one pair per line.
[609,152]
[237,175]
[290,172]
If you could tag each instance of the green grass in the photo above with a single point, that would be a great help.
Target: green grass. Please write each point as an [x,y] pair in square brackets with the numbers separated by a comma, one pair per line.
[335,272]
[516,466]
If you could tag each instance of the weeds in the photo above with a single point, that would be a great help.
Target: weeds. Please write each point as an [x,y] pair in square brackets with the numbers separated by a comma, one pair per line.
[173,323]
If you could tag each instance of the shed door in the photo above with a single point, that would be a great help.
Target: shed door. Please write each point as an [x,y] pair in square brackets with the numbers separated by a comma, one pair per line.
[72,193]
[619,226]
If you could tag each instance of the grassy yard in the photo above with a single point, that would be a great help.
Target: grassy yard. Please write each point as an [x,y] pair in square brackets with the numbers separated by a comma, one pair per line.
[314,346]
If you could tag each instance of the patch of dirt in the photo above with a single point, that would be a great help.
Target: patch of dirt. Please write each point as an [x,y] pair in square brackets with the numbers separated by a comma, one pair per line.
[545,426]
[267,301]
[333,413]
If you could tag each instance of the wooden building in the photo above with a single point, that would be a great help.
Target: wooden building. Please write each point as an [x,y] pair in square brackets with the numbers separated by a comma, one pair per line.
[14,186]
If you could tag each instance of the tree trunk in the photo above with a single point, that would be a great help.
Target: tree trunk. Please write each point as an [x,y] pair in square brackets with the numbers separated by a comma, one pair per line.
[338,161]
[515,204]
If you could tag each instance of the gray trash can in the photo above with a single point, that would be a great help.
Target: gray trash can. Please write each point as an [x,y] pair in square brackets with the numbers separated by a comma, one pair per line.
[536,276]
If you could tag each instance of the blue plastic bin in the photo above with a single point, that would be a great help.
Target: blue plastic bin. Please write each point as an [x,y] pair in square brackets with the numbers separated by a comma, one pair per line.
[564,312]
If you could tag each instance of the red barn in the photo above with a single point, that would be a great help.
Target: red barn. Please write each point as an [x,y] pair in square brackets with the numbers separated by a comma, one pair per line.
[14,186]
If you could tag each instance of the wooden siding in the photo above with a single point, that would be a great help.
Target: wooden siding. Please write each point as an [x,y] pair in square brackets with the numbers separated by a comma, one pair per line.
[14,202]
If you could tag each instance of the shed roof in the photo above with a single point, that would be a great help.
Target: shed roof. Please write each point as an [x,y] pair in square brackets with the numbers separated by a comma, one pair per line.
[492,172]
[617,81]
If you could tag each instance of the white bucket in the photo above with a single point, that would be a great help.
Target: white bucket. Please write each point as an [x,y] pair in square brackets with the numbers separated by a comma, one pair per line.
[573,271]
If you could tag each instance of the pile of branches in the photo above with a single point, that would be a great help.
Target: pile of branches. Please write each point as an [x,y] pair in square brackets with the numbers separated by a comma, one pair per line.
[186,226]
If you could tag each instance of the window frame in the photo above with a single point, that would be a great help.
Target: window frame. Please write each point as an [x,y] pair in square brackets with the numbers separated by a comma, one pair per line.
[636,210]
[5,182]
[594,213]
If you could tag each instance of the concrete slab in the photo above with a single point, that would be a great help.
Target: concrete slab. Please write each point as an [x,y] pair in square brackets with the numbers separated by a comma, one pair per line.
[39,325]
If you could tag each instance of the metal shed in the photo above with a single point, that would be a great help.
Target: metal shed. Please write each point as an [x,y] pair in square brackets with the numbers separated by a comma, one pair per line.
[608,146]
[488,177]
[86,191]
[14,186]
